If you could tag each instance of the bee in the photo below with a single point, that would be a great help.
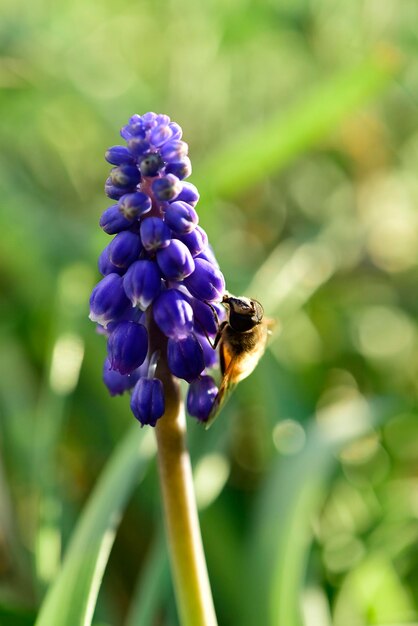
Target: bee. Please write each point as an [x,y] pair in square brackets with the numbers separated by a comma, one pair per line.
[242,340]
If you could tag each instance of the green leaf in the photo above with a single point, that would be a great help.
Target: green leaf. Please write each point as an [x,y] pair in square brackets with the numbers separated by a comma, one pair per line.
[256,154]
[70,601]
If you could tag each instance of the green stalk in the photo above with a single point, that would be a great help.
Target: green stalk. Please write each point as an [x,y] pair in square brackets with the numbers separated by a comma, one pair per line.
[188,565]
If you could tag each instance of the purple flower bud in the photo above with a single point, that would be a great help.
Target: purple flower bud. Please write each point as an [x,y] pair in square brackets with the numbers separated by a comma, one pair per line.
[166,188]
[130,314]
[124,248]
[118,155]
[160,135]
[162,119]
[189,194]
[142,283]
[138,146]
[147,400]
[106,266]
[176,130]
[108,300]
[175,261]
[133,205]
[201,397]
[149,120]
[112,221]
[208,255]
[118,383]
[182,169]
[185,357]
[125,176]
[136,122]
[127,347]
[181,217]
[204,318]
[173,314]
[206,283]
[114,192]
[155,234]
[209,354]
[174,150]
[196,241]
[150,164]
[135,127]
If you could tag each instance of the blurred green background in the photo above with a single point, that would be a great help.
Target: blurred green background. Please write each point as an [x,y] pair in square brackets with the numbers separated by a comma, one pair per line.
[301,117]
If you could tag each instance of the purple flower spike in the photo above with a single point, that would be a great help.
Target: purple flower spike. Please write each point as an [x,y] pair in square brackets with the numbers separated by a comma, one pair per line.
[155,234]
[127,347]
[173,314]
[124,249]
[175,261]
[196,241]
[185,357]
[108,300]
[200,397]
[181,217]
[158,269]
[142,283]
[133,205]
[118,383]
[166,188]
[147,401]
[206,283]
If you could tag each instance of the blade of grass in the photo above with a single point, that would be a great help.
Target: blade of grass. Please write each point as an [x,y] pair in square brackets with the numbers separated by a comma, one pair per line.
[64,360]
[256,154]
[281,541]
[17,395]
[71,599]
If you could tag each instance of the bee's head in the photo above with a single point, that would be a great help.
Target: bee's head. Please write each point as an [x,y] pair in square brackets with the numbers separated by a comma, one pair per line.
[243,313]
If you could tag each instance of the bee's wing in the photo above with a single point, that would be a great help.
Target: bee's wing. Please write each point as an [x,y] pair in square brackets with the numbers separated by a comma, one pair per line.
[225,389]
[273,325]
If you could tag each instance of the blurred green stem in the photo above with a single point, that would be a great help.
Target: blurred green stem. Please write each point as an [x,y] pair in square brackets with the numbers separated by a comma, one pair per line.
[190,576]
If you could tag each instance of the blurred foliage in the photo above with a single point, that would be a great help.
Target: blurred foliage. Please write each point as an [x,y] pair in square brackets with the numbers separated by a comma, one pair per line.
[301,118]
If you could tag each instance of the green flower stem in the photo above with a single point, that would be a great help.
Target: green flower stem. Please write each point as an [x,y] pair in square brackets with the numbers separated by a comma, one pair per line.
[190,576]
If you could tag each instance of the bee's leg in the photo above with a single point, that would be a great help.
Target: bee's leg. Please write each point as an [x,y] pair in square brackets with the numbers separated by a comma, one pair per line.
[215,313]
[218,335]
[220,326]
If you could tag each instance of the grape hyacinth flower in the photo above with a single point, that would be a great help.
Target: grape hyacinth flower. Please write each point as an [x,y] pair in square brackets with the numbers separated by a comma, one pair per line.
[159,273]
